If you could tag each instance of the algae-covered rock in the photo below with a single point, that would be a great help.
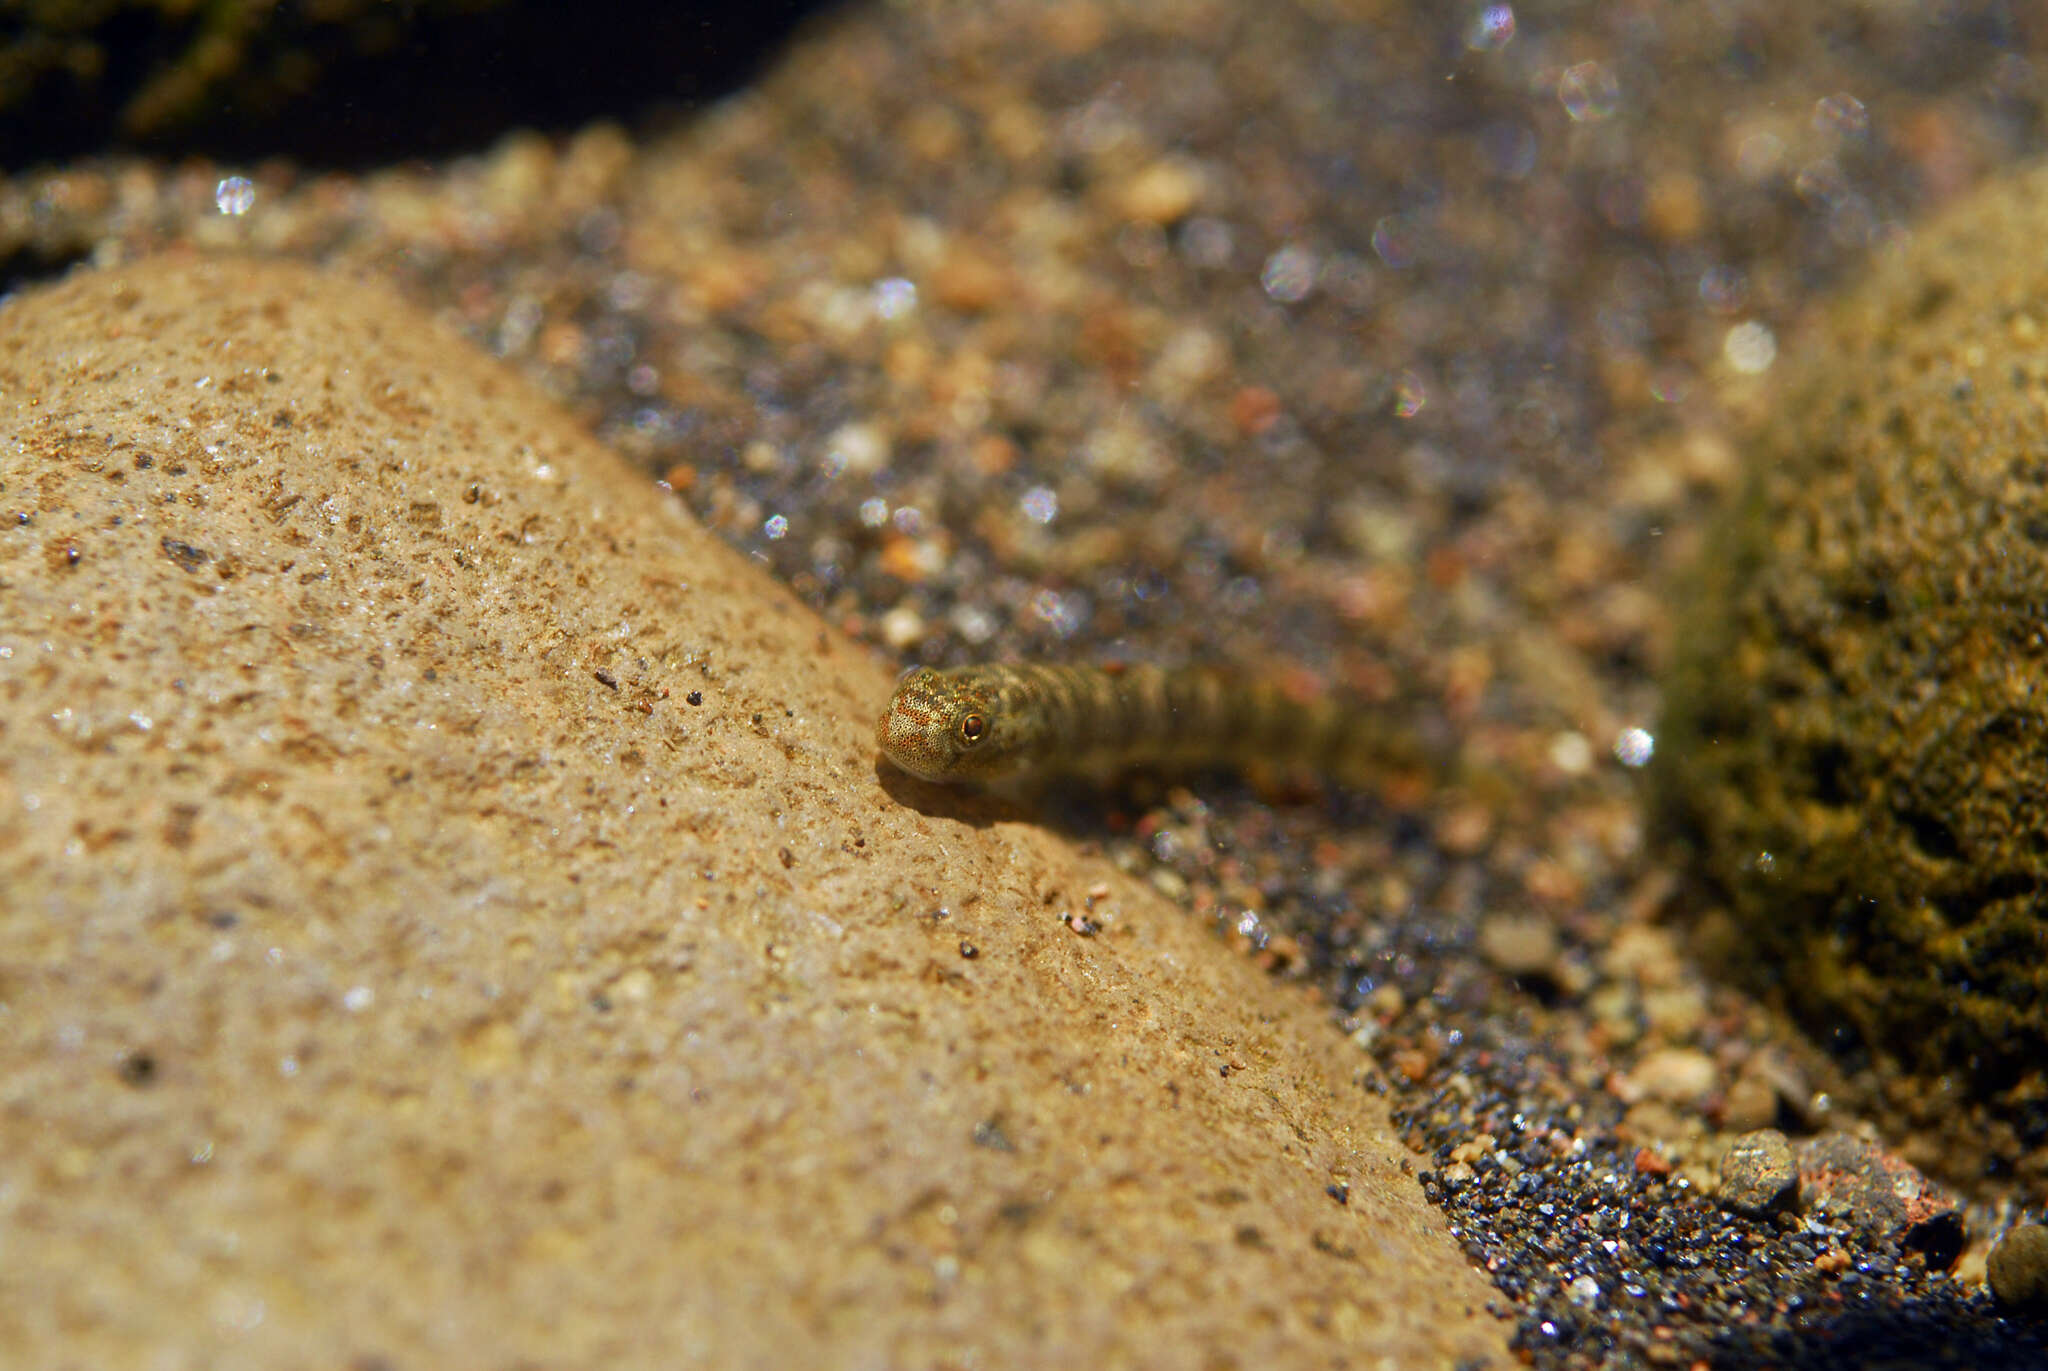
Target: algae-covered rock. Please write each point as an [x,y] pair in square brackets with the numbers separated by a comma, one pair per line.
[2018,1269]
[1857,730]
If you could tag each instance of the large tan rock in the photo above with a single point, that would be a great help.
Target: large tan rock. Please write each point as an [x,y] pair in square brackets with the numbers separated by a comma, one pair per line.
[452,918]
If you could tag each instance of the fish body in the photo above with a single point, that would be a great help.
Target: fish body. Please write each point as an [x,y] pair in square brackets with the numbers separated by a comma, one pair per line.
[1004,723]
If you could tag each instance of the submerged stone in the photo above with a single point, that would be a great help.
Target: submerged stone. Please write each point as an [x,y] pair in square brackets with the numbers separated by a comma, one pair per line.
[450,915]
[2018,1269]
[1859,703]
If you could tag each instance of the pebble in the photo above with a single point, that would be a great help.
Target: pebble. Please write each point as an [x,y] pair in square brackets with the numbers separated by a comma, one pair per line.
[970,280]
[1648,955]
[902,627]
[1758,1173]
[1676,1074]
[1472,1149]
[1768,1084]
[1163,193]
[2018,1270]
[1677,1012]
[1877,1191]
[1519,944]
[1751,1104]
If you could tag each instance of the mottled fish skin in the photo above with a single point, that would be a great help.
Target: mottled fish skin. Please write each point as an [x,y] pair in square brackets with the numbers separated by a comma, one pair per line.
[1000,723]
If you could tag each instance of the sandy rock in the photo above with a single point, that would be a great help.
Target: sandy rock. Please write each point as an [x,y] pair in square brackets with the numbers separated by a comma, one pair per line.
[453,917]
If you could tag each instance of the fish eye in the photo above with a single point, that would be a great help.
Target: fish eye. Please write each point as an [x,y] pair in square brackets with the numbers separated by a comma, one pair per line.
[973,728]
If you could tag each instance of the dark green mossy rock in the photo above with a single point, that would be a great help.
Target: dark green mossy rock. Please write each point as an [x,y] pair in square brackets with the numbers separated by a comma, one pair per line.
[1857,722]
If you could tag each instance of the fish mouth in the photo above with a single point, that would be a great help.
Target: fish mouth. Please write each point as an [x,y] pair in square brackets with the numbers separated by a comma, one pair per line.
[898,739]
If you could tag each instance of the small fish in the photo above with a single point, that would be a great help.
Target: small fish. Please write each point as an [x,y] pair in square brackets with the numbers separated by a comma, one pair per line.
[1005,723]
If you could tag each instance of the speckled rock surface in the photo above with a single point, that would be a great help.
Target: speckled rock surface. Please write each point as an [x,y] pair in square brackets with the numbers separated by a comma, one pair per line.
[1856,722]
[1845,1181]
[454,918]
[1758,1173]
